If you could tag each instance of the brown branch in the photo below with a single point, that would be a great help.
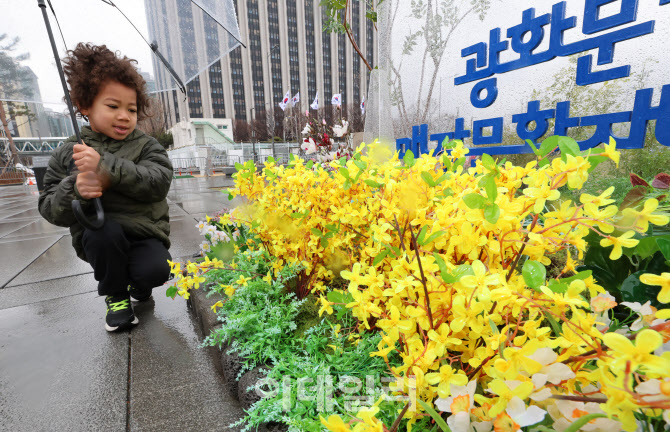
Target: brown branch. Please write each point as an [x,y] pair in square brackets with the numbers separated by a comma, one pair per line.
[423,278]
[397,421]
[579,398]
[481,365]
[518,257]
[347,30]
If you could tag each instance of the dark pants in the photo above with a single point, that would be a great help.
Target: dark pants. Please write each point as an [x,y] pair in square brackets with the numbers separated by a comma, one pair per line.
[119,261]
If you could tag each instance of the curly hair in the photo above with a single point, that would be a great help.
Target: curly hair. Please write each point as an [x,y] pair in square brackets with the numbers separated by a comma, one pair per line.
[89,66]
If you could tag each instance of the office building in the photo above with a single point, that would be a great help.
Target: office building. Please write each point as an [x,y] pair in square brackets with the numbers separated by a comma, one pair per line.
[286,50]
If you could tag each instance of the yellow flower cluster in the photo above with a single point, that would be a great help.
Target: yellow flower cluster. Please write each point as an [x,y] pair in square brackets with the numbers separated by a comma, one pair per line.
[433,253]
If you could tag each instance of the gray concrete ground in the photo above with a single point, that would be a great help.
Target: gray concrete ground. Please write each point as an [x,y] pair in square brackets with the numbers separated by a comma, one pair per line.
[61,371]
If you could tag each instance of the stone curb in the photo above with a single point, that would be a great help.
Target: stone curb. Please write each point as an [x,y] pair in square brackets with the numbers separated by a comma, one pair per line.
[228,365]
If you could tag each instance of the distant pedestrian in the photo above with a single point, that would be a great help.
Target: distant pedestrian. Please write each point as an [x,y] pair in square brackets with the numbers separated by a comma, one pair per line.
[127,169]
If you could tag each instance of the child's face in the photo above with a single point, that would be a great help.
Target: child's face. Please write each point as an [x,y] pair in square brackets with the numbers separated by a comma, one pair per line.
[114,110]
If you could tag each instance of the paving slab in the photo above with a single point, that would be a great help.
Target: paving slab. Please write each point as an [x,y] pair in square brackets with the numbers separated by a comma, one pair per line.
[47,290]
[30,213]
[37,228]
[9,227]
[18,255]
[204,204]
[174,385]
[59,261]
[59,369]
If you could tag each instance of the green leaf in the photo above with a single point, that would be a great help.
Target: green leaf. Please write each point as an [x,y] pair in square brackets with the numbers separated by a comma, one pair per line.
[438,419]
[434,236]
[380,257]
[342,161]
[448,144]
[633,290]
[422,234]
[171,292]
[444,272]
[644,249]
[335,297]
[347,184]
[324,242]
[373,183]
[458,162]
[310,164]
[568,146]
[361,165]
[230,197]
[534,274]
[544,163]
[554,325]
[558,287]
[409,159]
[442,178]
[532,146]
[428,179]
[548,145]
[493,326]
[291,157]
[474,201]
[488,162]
[317,232]
[491,188]
[492,213]
[664,247]
[582,275]
[609,274]
[463,270]
[446,162]
[239,166]
[596,160]
[345,173]
[271,159]
[577,424]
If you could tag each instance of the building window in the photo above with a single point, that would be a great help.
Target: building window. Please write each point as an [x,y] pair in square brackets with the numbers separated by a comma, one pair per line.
[237,79]
[255,55]
[327,74]
[216,86]
[294,62]
[342,66]
[310,49]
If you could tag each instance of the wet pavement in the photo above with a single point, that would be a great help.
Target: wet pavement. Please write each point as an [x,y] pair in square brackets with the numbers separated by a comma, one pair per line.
[60,369]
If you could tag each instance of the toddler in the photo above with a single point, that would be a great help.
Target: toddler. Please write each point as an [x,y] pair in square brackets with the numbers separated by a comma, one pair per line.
[128,170]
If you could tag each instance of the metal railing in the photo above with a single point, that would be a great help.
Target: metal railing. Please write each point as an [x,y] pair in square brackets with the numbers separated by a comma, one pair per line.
[27,146]
[12,175]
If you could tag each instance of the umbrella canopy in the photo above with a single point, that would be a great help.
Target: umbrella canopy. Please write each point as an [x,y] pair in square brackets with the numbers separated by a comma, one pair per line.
[172,25]
[173,31]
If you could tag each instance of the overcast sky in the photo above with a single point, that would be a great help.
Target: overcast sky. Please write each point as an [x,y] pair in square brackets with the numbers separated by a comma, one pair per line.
[81,21]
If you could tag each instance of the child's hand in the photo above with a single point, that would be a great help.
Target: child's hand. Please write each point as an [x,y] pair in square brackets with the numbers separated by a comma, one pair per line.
[85,158]
[89,185]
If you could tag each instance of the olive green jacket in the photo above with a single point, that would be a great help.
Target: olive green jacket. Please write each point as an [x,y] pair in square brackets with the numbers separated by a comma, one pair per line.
[140,174]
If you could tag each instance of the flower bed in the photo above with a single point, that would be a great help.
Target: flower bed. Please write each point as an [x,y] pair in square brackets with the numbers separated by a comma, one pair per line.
[445,287]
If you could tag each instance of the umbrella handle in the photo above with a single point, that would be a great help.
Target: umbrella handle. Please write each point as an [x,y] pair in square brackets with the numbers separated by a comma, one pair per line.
[95,224]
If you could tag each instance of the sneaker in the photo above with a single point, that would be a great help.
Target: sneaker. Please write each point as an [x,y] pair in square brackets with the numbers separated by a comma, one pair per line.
[139,295]
[120,313]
